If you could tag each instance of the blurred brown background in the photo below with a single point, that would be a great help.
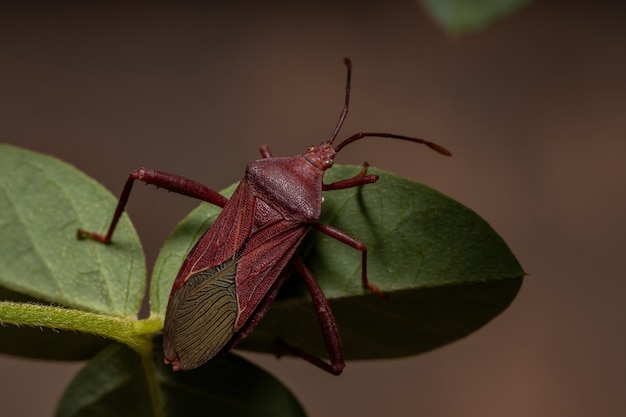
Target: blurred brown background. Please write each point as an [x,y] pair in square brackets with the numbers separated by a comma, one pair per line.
[533,109]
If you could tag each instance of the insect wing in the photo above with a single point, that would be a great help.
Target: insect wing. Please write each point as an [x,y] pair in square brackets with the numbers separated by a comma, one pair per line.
[264,258]
[201,316]
[226,276]
[224,239]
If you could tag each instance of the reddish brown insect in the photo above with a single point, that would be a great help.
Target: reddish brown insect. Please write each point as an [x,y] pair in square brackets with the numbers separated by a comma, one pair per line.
[229,279]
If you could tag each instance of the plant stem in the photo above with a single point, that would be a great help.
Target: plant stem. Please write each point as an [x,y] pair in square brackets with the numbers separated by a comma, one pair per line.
[127,330]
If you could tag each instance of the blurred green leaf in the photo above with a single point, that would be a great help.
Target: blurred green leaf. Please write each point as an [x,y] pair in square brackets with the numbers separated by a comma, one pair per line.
[41,343]
[118,383]
[445,270]
[464,16]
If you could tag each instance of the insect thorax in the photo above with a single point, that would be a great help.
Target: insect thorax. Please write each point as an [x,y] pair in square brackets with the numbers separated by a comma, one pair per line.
[290,185]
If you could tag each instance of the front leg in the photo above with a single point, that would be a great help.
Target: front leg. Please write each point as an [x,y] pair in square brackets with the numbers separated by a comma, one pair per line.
[359,179]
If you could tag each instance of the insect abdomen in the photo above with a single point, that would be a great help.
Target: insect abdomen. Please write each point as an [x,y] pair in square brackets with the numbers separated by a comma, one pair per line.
[201,316]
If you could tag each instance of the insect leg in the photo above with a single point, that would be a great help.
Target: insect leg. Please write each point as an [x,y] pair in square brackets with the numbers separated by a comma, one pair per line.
[353,242]
[170,182]
[324,314]
[265,151]
[359,179]
[327,323]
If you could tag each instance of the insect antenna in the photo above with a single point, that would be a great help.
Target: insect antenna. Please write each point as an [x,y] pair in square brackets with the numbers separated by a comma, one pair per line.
[344,112]
[362,135]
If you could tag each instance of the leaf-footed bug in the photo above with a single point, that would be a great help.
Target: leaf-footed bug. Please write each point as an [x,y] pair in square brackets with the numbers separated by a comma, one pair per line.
[233,273]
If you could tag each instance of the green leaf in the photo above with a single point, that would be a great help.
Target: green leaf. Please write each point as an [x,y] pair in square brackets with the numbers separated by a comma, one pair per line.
[464,16]
[117,382]
[445,270]
[43,202]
